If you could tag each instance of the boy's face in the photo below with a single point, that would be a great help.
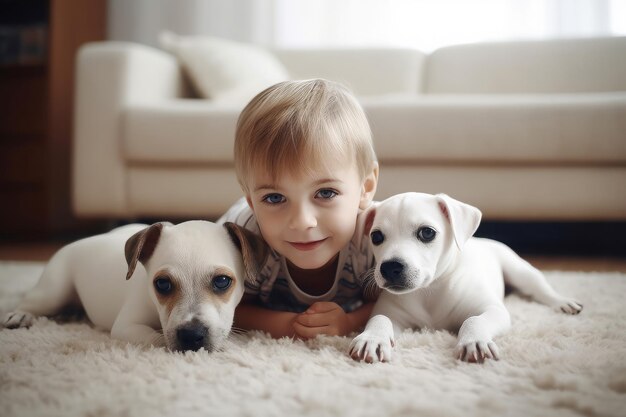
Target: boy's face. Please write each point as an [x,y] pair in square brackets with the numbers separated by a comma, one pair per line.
[310,219]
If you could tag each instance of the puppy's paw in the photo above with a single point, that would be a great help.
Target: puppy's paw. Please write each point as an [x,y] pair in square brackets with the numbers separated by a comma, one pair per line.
[371,347]
[567,305]
[477,351]
[17,319]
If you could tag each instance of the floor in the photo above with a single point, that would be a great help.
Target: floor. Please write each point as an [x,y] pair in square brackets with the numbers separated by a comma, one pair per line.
[28,251]
[43,252]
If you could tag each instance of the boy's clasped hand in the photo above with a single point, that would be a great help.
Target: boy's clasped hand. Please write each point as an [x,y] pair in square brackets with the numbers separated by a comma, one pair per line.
[323,317]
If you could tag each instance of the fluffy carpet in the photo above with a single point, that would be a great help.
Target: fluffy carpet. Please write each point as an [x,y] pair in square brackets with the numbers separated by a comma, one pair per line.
[553,365]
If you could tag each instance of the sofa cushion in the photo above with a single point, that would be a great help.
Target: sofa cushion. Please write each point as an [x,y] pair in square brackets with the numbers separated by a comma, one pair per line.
[367,72]
[223,70]
[519,192]
[179,131]
[549,66]
[520,129]
[495,129]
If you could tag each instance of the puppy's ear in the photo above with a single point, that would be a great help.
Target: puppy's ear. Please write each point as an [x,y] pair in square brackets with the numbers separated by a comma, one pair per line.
[141,245]
[253,249]
[464,219]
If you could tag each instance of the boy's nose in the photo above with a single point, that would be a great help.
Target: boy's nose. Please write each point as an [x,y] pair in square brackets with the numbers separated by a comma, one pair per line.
[302,217]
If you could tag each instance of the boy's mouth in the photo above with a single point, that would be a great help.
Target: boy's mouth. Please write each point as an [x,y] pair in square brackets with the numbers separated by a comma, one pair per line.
[307,246]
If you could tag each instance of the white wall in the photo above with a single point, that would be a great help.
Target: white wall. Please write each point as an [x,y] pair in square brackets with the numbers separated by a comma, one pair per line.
[142,20]
[420,24]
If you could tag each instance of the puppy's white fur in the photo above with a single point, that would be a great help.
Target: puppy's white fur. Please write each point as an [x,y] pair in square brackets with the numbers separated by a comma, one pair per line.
[92,273]
[453,282]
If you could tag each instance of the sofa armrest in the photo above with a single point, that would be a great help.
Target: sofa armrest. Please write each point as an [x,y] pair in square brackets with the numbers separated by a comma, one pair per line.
[110,77]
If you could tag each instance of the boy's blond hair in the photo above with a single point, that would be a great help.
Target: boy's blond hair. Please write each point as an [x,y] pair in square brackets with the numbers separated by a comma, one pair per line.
[296,127]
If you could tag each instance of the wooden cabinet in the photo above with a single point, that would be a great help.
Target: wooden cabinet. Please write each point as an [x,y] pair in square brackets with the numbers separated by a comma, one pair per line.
[36,109]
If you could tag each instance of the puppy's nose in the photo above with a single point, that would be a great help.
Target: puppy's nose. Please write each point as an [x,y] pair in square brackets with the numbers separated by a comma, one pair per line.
[392,271]
[191,336]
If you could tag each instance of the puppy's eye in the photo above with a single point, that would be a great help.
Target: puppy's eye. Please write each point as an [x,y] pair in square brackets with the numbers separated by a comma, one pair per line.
[377,237]
[221,282]
[426,234]
[163,285]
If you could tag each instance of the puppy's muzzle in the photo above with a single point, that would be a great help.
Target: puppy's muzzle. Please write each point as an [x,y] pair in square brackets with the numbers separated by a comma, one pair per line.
[393,271]
[193,336]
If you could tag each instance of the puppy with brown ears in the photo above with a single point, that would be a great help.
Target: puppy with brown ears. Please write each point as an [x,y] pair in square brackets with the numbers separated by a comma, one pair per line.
[182,295]
[436,275]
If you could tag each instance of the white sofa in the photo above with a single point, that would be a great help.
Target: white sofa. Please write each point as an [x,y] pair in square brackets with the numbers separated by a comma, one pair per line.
[532,130]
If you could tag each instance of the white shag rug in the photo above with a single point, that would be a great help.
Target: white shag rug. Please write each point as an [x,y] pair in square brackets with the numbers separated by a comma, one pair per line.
[553,365]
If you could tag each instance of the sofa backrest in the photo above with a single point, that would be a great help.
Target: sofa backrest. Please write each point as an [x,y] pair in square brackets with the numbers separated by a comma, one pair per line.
[553,66]
[366,72]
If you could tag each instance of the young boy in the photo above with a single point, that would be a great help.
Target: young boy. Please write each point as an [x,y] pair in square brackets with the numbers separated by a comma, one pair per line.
[305,161]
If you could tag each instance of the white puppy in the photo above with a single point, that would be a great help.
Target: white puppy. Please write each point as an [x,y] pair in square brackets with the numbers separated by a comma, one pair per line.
[184,296]
[436,275]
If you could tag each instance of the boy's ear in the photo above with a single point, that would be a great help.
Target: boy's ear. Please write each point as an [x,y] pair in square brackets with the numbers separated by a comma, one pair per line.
[369,187]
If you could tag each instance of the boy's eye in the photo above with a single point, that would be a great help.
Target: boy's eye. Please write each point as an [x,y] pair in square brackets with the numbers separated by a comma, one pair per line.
[274,198]
[326,194]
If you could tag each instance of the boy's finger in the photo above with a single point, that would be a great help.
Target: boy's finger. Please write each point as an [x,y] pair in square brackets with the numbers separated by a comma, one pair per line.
[308,332]
[312,319]
[322,307]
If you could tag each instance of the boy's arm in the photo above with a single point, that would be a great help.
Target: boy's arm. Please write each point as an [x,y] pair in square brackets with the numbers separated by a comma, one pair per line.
[278,324]
[360,316]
